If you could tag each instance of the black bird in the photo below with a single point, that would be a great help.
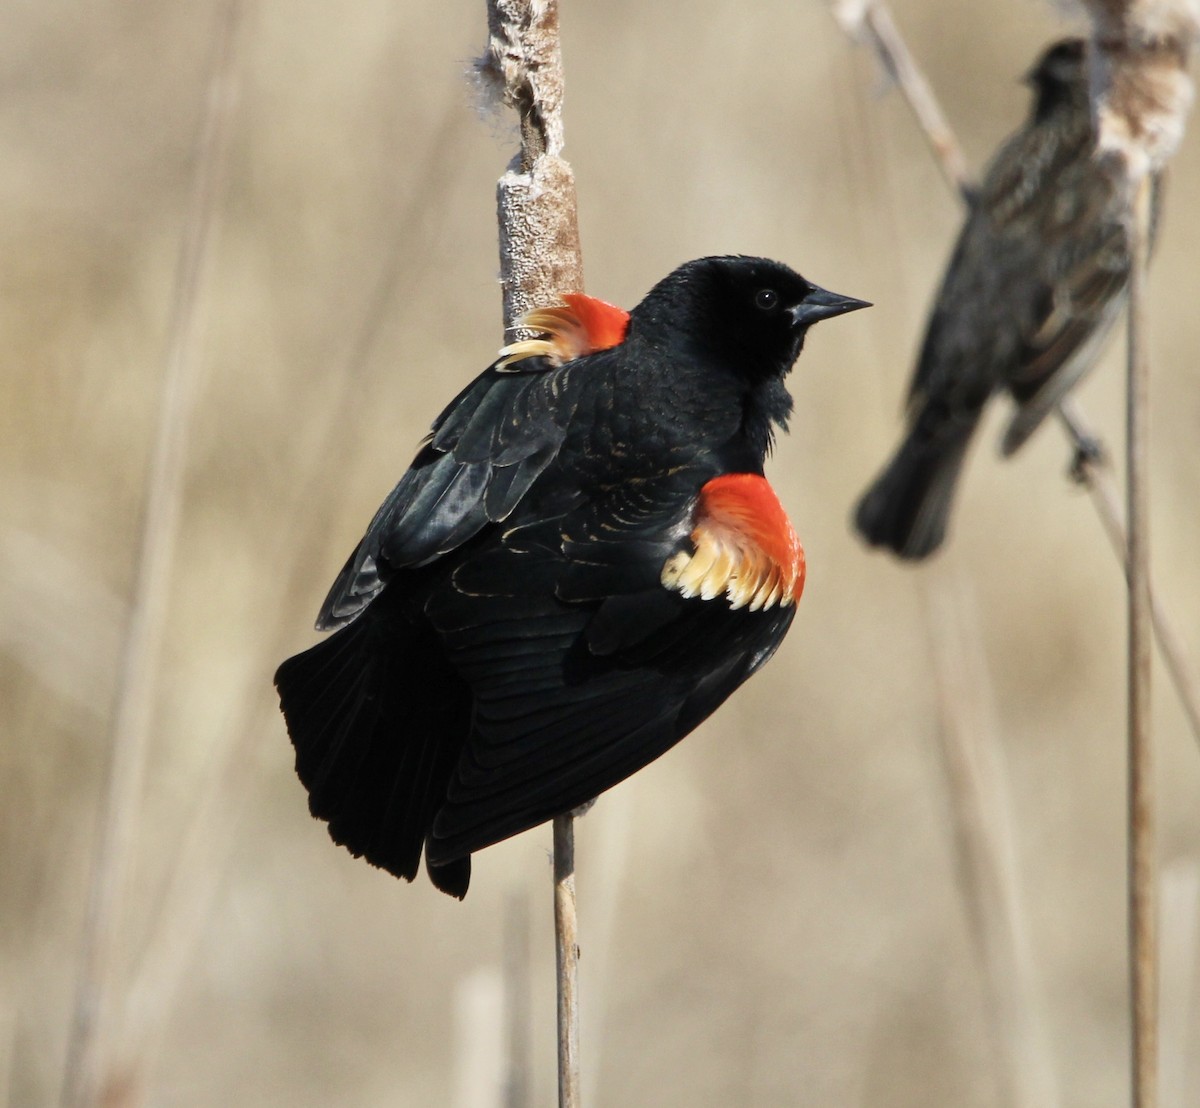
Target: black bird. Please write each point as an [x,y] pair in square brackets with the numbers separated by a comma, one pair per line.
[582,563]
[1036,280]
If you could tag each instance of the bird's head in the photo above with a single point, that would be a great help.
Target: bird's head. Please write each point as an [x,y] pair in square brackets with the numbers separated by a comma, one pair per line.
[751,313]
[1059,75]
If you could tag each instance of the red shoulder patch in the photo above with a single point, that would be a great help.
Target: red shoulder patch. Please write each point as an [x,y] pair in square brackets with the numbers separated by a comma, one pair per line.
[745,547]
[582,325]
[604,324]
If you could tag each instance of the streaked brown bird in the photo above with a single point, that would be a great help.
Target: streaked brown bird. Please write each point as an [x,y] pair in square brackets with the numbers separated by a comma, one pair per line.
[583,561]
[1037,278]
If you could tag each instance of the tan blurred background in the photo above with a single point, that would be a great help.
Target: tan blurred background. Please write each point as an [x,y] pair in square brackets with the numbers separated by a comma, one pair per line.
[773,913]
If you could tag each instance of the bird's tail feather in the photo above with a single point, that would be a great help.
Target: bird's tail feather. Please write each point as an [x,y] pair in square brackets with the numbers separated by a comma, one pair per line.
[907,509]
[377,720]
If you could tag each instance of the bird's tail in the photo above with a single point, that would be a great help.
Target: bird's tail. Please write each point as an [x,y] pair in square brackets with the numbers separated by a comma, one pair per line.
[378,720]
[907,509]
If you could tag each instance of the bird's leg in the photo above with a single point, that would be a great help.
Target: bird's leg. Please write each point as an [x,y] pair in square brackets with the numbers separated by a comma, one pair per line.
[1090,450]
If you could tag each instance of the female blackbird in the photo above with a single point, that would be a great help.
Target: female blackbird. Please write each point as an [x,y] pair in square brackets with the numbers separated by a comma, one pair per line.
[1035,282]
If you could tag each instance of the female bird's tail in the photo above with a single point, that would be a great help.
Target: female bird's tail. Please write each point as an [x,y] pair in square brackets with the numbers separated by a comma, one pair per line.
[907,509]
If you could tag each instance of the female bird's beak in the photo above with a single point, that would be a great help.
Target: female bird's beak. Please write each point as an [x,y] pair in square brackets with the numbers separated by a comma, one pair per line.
[822,304]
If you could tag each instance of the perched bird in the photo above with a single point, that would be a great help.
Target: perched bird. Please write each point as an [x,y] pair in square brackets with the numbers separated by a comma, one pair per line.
[1035,282]
[583,561]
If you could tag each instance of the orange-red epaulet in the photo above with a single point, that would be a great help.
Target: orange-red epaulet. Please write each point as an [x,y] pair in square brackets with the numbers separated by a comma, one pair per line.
[745,547]
[581,325]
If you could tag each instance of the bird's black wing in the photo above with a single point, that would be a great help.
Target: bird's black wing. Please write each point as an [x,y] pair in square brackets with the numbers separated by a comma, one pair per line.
[583,667]
[482,455]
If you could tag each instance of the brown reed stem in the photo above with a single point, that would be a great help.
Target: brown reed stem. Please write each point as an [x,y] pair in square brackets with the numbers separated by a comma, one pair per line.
[1143,862]
[1141,95]
[567,961]
[870,21]
[1091,469]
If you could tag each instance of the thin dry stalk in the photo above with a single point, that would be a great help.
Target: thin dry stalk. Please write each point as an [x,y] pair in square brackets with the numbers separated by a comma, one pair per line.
[1143,860]
[539,259]
[567,961]
[870,21]
[1091,469]
[986,842]
[98,979]
[1141,94]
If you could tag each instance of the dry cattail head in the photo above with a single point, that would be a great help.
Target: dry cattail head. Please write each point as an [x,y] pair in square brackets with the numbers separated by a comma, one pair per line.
[1140,85]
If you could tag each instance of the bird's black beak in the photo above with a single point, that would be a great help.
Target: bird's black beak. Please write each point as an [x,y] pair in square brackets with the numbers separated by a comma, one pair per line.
[822,304]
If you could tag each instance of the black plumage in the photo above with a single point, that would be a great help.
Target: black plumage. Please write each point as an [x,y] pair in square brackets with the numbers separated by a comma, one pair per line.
[504,647]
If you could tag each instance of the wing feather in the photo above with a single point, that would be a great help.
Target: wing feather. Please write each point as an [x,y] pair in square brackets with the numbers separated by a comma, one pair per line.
[582,667]
[484,453]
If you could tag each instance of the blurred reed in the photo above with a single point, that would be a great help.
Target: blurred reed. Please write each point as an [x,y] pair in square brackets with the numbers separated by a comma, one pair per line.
[100,982]
[185,905]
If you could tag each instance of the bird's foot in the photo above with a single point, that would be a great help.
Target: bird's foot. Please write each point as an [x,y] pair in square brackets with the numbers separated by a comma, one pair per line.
[1089,453]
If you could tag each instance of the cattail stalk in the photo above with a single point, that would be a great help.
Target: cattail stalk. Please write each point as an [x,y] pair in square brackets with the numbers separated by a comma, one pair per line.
[539,259]
[1142,854]
[1141,94]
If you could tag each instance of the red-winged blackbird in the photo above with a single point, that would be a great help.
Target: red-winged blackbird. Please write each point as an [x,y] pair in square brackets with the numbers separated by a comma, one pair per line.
[1035,282]
[583,561]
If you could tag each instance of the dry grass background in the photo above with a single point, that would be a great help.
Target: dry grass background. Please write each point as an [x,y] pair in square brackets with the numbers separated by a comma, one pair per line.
[771,914]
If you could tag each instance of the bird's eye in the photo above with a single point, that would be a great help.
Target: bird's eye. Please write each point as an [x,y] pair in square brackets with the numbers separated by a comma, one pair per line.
[766,300]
